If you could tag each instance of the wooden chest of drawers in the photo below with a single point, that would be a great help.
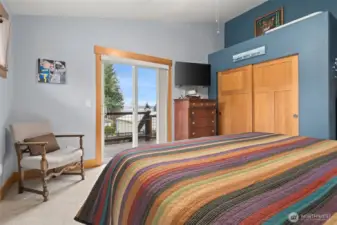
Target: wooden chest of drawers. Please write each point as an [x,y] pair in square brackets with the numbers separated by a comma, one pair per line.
[194,118]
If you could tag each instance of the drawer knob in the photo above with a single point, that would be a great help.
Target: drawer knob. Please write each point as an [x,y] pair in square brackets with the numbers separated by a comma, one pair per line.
[212,131]
[193,104]
[202,104]
[193,122]
[192,112]
[212,112]
[212,121]
[206,103]
[193,133]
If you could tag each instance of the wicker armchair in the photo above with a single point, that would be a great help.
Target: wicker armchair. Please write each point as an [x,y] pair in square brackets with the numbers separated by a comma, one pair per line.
[48,164]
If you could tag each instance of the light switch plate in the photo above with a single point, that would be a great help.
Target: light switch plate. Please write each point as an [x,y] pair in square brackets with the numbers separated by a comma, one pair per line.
[88,103]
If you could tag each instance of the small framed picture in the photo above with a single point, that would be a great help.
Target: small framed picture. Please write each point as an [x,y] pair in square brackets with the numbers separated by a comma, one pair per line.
[268,22]
[51,71]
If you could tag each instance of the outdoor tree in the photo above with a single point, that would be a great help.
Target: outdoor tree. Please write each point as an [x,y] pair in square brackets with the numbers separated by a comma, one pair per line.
[113,96]
[147,106]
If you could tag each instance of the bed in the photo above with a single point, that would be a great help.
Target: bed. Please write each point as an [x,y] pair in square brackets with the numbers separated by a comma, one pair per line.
[250,178]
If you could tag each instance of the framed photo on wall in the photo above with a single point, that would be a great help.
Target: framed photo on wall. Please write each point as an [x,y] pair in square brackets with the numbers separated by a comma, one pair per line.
[268,22]
[51,71]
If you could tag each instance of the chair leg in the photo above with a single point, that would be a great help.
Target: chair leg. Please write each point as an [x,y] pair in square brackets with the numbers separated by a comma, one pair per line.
[21,178]
[21,172]
[82,168]
[54,171]
[45,192]
[82,156]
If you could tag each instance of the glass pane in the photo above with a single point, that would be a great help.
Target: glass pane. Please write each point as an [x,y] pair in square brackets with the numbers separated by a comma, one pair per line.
[118,108]
[147,101]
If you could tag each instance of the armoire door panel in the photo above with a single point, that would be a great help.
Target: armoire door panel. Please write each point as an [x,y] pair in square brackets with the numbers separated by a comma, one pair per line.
[276,96]
[263,113]
[234,114]
[283,112]
[279,79]
[235,81]
[235,101]
[261,98]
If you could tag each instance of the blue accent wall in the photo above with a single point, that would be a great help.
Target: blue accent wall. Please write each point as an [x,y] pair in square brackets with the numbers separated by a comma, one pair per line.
[310,40]
[332,80]
[241,28]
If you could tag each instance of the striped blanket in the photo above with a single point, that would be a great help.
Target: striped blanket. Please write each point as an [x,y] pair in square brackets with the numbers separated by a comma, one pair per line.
[251,178]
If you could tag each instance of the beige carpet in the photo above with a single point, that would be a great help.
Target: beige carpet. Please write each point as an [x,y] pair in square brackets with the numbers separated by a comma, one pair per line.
[67,193]
[113,149]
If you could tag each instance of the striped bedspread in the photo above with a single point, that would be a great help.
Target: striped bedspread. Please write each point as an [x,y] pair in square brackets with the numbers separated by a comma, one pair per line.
[251,178]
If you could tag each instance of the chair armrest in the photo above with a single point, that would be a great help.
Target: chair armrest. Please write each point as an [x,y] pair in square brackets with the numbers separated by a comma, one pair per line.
[42,143]
[32,143]
[69,135]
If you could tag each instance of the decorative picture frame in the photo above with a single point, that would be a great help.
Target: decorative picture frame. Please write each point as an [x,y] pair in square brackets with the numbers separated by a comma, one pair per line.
[51,71]
[268,22]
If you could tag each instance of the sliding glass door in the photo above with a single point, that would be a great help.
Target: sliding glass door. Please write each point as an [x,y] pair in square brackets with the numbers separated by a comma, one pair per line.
[135,105]
[162,95]
[149,104]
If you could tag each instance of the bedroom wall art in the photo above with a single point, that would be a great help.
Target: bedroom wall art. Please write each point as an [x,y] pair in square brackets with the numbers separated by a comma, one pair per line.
[51,71]
[268,22]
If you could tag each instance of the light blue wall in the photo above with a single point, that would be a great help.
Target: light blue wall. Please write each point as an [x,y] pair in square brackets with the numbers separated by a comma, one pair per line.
[72,40]
[310,40]
[241,28]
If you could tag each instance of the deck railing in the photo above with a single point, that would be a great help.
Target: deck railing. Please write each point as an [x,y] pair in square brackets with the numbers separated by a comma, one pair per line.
[118,126]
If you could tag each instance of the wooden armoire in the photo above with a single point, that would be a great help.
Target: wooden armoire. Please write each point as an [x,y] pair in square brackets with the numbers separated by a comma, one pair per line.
[259,98]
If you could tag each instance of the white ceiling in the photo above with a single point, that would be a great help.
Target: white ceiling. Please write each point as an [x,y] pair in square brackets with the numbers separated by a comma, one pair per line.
[163,10]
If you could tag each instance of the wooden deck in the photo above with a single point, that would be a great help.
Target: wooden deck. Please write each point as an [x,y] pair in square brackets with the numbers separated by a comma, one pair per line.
[113,149]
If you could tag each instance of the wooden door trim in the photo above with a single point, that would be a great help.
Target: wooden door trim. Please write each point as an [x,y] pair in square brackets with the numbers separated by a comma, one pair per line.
[99,51]
[234,69]
[295,86]
[275,60]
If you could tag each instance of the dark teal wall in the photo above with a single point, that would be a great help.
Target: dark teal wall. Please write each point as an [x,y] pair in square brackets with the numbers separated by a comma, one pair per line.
[332,81]
[241,28]
[309,39]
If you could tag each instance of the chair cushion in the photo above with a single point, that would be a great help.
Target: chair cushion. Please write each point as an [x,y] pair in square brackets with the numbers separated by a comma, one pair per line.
[55,159]
[37,149]
[22,130]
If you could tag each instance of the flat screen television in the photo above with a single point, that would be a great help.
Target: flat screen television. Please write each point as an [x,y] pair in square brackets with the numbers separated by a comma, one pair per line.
[192,74]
